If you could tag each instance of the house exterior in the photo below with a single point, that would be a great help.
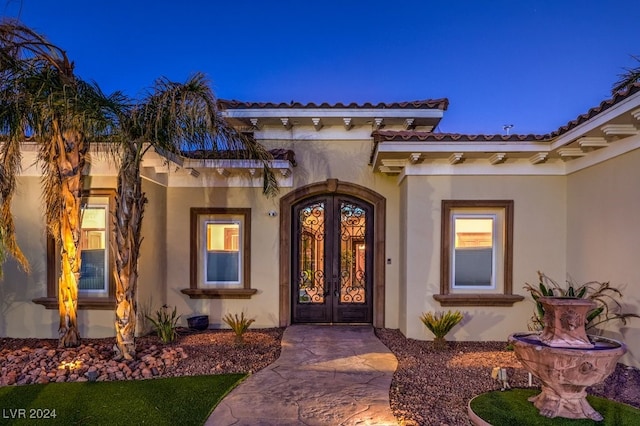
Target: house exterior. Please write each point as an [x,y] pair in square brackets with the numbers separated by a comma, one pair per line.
[379,219]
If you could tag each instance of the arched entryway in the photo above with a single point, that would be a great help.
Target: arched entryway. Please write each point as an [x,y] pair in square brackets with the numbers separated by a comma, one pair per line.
[355,221]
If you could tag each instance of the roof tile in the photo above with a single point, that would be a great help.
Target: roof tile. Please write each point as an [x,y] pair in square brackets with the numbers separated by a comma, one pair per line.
[382,135]
[441,104]
[604,105]
[389,135]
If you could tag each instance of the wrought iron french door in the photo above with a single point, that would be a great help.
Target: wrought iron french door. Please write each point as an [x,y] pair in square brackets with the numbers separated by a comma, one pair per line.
[332,260]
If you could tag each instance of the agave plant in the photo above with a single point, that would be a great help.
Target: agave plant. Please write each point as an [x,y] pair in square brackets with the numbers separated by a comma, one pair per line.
[239,325]
[607,308]
[166,324]
[440,324]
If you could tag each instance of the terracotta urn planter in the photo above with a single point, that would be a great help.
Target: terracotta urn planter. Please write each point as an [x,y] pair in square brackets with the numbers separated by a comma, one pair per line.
[566,359]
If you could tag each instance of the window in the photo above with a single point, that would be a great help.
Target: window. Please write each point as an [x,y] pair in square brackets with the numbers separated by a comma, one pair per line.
[96,286]
[476,253]
[220,253]
[94,269]
[223,265]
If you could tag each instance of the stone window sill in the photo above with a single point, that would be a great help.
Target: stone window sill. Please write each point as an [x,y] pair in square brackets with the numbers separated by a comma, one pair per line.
[477,299]
[219,293]
[94,303]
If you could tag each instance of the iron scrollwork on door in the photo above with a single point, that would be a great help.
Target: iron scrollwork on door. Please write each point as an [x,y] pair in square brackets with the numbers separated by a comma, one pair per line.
[353,249]
[311,282]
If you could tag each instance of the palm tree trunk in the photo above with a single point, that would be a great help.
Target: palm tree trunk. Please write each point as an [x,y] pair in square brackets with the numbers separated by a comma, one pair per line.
[130,202]
[69,161]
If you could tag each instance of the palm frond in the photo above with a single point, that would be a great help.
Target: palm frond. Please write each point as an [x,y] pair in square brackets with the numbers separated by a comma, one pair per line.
[627,78]
[20,43]
[184,118]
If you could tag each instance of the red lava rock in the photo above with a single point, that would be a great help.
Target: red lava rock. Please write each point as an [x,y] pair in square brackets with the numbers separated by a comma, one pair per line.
[11,378]
[38,359]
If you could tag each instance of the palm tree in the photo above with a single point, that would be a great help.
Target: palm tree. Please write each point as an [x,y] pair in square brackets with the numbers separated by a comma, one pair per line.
[628,78]
[3,250]
[3,253]
[42,98]
[172,118]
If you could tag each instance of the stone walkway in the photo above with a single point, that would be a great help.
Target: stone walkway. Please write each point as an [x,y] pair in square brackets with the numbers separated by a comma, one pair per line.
[326,375]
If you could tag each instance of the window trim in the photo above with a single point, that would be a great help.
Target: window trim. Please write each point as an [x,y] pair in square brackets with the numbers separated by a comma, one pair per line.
[52,274]
[446,297]
[195,290]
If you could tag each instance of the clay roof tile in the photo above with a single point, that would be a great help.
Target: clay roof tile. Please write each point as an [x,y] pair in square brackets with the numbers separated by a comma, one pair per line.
[441,104]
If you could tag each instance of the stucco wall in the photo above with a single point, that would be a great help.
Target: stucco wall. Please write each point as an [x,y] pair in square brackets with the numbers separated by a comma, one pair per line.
[583,224]
[539,244]
[19,316]
[264,254]
[347,160]
[317,161]
[153,254]
[604,236]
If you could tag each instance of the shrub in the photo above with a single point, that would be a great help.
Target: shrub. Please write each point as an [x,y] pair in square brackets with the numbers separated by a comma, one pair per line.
[606,297]
[440,324]
[239,325]
[165,324]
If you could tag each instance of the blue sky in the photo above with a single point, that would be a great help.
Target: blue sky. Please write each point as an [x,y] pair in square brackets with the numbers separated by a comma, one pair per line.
[535,64]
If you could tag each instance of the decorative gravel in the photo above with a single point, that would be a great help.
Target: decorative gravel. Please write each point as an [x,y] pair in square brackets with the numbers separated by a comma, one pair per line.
[26,361]
[430,387]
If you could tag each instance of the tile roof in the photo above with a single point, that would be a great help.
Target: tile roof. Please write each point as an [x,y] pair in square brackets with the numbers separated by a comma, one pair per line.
[441,104]
[390,135]
[381,135]
[276,154]
[604,105]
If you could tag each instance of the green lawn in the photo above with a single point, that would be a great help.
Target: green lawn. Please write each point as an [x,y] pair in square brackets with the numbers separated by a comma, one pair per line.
[512,408]
[180,400]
